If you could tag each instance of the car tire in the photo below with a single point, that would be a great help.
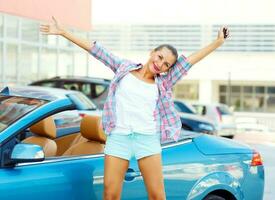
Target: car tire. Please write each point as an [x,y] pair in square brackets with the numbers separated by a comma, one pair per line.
[213,197]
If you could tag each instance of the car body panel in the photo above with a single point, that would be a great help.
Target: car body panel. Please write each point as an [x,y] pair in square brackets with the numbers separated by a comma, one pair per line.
[220,146]
[61,179]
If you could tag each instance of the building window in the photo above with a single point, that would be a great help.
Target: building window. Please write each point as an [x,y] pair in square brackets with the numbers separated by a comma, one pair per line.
[30,31]
[186,91]
[1,26]
[11,27]
[65,63]
[249,98]
[48,63]
[80,64]
[28,60]
[270,103]
[11,62]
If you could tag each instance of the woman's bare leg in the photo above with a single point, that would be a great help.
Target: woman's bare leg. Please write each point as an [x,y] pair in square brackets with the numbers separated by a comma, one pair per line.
[114,172]
[151,170]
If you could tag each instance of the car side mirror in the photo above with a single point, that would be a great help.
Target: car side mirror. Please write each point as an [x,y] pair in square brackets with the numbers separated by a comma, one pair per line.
[27,153]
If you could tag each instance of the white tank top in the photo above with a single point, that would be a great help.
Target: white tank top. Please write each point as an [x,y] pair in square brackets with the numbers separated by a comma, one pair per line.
[135,104]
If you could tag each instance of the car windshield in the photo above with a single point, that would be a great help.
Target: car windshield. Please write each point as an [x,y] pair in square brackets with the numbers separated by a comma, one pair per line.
[82,102]
[184,107]
[224,110]
[13,108]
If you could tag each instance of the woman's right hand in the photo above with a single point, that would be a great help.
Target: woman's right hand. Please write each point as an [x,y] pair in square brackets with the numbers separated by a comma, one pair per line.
[52,29]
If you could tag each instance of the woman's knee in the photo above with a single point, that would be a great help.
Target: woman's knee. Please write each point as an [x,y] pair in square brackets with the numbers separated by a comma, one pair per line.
[111,193]
[157,196]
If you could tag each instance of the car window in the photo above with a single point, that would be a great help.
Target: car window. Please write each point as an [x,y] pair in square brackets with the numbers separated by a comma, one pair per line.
[224,110]
[47,84]
[200,109]
[13,108]
[71,86]
[99,89]
[181,107]
[86,89]
[81,101]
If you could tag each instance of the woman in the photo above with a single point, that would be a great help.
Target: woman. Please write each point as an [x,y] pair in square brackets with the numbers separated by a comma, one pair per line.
[139,109]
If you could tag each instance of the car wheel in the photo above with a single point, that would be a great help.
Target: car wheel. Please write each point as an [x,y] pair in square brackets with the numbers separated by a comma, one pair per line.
[213,197]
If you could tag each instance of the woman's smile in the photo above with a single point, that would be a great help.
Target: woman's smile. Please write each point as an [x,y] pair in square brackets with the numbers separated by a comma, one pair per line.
[155,67]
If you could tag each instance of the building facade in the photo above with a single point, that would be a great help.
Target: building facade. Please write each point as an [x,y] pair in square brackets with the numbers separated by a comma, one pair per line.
[241,73]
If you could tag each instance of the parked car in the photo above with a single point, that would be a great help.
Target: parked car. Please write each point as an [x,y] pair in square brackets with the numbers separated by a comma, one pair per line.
[192,121]
[220,115]
[94,88]
[197,166]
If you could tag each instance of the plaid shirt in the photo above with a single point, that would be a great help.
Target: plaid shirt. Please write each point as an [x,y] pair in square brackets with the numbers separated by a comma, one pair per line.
[168,122]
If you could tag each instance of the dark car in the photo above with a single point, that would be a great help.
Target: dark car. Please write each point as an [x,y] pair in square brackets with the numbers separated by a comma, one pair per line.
[192,121]
[94,88]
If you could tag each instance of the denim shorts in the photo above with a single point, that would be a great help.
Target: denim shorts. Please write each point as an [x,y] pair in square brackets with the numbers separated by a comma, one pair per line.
[133,145]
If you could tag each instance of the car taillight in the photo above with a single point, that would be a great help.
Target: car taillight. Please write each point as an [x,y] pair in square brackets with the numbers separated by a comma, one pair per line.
[82,115]
[219,114]
[256,159]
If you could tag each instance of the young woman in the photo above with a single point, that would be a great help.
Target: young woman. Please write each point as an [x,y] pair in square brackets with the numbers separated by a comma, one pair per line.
[139,109]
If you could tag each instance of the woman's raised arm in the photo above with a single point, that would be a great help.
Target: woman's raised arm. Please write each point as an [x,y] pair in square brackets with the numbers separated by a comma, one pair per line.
[197,56]
[56,29]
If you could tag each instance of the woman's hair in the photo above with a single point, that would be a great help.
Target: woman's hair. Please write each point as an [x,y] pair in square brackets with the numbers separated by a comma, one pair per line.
[170,47]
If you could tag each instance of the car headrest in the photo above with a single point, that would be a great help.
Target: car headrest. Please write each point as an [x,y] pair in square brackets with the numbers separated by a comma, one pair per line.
[45,128]
[91,128]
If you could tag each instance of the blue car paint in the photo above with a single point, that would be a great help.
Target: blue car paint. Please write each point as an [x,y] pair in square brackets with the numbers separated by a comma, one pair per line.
[60,179]
[216,181]
[82,178]
[253,185]
[192,168]
[220,146]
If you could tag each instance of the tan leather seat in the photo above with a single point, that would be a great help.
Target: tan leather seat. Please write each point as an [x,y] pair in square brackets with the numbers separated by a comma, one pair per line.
[45,132]
[93,137]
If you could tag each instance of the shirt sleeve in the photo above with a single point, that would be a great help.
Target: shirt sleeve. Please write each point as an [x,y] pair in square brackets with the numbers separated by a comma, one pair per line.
[179,70]
[106,57]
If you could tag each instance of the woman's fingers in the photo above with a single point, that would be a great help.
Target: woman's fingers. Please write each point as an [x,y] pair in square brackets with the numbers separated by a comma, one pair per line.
[44,28]
[55,21]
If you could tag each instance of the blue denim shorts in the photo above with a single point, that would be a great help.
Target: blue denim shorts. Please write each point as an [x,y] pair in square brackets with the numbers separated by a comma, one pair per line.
[133,145]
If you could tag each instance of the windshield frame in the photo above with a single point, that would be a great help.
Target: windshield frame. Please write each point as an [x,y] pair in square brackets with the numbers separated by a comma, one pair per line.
[17,104]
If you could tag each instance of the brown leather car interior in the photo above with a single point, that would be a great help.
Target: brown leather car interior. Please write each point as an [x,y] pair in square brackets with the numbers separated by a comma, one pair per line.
[44,134]
[91,140]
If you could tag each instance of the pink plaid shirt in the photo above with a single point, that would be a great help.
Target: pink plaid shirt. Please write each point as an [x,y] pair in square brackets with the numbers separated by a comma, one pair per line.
[168,121]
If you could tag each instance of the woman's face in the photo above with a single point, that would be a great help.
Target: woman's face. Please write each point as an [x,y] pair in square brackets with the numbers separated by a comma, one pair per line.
[161,60]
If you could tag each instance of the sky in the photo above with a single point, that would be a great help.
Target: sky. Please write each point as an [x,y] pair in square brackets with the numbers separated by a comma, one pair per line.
[182,11]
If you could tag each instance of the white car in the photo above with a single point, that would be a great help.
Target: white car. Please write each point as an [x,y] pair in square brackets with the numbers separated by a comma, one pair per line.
[220,115]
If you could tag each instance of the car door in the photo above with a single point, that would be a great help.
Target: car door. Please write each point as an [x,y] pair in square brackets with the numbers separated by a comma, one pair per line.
[55,178]
[179,161]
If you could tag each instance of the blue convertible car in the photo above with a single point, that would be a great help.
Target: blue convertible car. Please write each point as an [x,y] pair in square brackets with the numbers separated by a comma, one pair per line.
[37,161]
